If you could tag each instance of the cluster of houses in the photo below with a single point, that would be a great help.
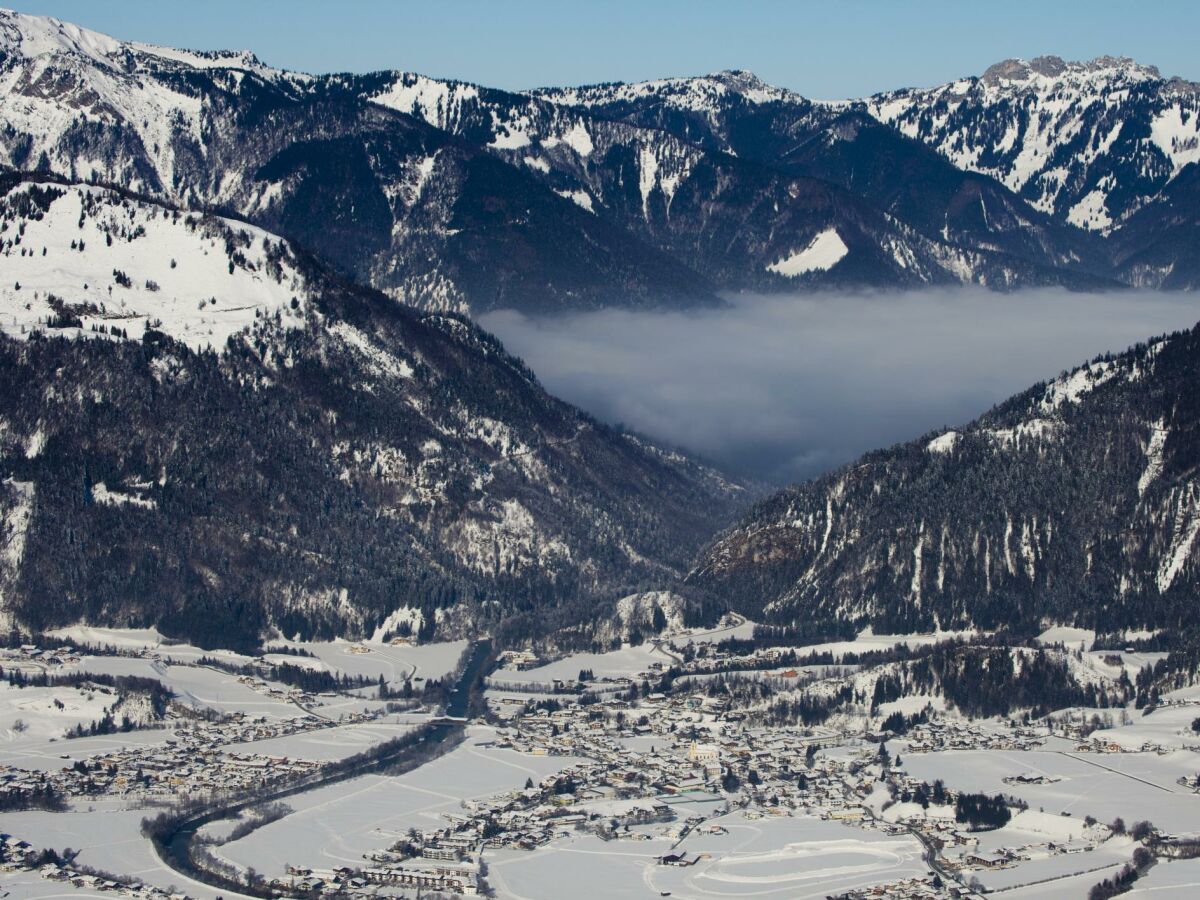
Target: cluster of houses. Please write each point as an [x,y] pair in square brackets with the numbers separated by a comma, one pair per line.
[975,860]
[277,691]
[905,889]
[196,761]
[641,757]
[52,658]
[345,881]
[959,734]
[17,855]
[692,743]
[644,756]
[520,660]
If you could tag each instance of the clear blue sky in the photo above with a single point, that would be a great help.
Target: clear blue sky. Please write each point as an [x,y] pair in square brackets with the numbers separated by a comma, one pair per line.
[830,49]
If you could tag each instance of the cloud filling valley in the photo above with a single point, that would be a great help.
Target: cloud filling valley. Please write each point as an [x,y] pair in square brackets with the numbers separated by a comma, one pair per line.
[781,388]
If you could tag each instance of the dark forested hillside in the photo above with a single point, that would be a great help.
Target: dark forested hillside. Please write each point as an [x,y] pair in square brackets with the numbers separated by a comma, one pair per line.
[1159,244]
[1076,502]
[339,458]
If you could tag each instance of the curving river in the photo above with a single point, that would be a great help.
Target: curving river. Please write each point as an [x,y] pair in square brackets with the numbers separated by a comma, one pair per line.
[175,848]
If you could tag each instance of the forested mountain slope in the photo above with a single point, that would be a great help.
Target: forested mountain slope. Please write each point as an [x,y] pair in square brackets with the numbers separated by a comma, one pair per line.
[1076,502]
[427,217]
[203,429]
[741,213]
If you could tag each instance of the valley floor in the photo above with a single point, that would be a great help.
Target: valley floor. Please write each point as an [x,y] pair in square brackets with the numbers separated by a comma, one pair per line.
[657,770]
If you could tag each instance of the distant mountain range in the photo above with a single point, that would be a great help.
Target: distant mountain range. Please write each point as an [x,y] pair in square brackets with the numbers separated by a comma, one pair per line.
[448,195]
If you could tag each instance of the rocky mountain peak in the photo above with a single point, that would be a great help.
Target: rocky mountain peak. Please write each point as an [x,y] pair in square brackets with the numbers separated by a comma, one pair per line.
[1055,68]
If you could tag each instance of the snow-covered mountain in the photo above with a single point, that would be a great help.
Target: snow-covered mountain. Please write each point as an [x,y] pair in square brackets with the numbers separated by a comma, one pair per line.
[1027,156]
[449,195]
[204,429]
[1075,502]
[672,163]
[203,402]
[89,260]
[429,218]
[1090,142]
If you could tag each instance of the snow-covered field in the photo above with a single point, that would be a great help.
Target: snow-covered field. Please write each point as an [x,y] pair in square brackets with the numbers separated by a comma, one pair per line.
[121,638]
[367,658]
[1132,786]
[1167,726]
[1071,638]
[1097,865]
[109,838]
[627,662]
[770,857]
[1131,663]
[1178,880]
[201,687]
[791,857]
[822,253]
[182,279]
[743,629]
[617,869]
[195,686]
[178,667]
[52,755]
[1060,888]
[867,641]
[36,714]
[373,658]
[330,743]
[336,825]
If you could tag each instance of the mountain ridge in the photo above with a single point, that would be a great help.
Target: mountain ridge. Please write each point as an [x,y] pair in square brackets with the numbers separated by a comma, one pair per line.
[1072,502]
[471,198]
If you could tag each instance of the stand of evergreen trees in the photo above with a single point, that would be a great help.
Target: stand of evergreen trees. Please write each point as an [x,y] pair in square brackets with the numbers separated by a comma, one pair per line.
[43,797]
[982,812]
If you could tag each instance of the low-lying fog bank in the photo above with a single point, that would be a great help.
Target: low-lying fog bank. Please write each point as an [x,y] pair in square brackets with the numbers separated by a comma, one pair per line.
[784,387]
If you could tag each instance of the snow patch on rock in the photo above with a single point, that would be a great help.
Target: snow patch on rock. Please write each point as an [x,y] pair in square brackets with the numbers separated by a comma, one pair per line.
[943,443]
[822,254]
[580,198]
[1070,388]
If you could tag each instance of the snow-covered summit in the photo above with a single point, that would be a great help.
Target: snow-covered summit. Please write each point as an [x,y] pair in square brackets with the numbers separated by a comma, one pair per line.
[30,37]
[87,261]
[94,108]
[698,93]
[1091,141]
[33,36]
